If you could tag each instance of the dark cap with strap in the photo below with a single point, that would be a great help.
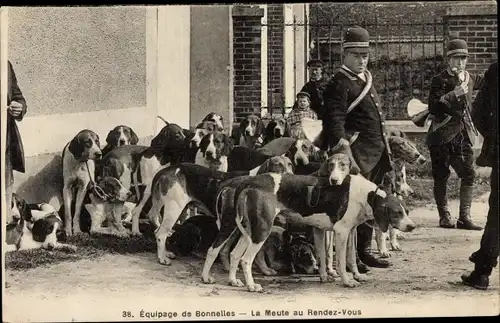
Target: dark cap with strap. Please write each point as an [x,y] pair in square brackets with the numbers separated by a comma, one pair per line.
[315,63]
[457,47]
[356,39]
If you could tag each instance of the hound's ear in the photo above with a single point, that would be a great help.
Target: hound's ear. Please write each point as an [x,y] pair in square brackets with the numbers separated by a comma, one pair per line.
[75,147]
[354,168]
[261,127]
[204,142]
[133,137]
[265,167]
[323,169]
[243,125]
[112,137]
[286,133]
[228,145]
[381,216]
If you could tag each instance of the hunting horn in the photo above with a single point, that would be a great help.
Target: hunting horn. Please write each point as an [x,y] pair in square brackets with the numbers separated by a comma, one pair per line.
[418,112]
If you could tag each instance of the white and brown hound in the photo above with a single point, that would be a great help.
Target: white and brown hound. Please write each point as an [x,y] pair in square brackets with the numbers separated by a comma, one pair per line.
[34,226]
[120,136]
[403,151]
[201,130]
[78,168]
[214,151]
[176,186]
[308,200]
[134,167]
[251,132]
[276,128]
[217,118]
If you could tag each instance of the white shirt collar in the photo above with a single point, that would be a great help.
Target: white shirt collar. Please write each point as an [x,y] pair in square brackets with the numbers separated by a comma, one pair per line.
[360,75]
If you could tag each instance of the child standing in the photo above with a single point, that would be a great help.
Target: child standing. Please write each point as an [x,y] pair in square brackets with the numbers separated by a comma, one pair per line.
[301,110]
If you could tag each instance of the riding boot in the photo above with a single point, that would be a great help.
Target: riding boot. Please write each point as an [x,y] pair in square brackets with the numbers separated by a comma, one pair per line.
[464,220]
[365,234]
[442,204]
[479,278]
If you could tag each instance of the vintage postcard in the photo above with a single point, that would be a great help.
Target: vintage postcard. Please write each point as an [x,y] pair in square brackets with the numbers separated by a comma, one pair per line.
[249,161]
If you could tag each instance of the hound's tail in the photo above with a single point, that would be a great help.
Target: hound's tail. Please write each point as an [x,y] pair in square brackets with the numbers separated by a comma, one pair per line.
[161,118]
[218,210]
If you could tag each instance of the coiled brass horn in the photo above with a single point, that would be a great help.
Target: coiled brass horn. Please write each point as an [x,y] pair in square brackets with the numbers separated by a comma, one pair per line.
[418,112]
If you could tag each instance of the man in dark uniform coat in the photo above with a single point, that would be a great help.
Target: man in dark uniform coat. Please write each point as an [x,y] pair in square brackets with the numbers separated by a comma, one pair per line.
[316,85]
[14,154]
[485,118]
[452,133]
[363,122]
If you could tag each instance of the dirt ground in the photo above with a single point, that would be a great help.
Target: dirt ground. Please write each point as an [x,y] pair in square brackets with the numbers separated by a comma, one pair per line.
[423,281]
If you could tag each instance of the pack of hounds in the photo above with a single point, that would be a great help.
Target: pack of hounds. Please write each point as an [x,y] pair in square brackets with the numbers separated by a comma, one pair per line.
[253,196]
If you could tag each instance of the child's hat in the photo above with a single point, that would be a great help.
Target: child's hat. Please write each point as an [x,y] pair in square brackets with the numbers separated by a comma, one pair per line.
[303,95]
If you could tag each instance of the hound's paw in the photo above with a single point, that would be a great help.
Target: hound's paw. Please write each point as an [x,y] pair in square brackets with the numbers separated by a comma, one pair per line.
[236,283]
[122,234]
[396,246]
[170,254]
[165,261]
[351,283]
[136,233]
[76,231]
[360,277]
[68,232]
[326,278]
[332,273]
[208,280]
[255,288]
[400,235]
[385,254]
[269,272]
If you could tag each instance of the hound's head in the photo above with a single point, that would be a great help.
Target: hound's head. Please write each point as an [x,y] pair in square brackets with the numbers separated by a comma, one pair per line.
[252,126]
[216,118]
[389,209]
[184,239]
[121,136]
[401,186]
[277,127]
[216,146]
[85,145]
[301,253]
[276,164]
[112,190]
[48,230]
[337,167]
[201,130]
[19,210]
[170,137]
[403,148]
[302,151]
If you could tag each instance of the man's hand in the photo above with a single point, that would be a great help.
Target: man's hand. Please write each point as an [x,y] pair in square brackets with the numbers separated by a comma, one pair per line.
[461,89]
[15,108]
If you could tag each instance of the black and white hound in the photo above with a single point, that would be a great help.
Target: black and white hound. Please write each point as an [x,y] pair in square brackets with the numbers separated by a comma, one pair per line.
[120,136]
[34,226]
[251,132]
[78,168]
[214,151]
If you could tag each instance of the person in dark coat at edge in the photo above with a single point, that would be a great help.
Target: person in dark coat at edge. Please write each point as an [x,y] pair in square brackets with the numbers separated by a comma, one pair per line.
[316,86]
[452,133]
[14,154]
[353,109]
[485,118]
